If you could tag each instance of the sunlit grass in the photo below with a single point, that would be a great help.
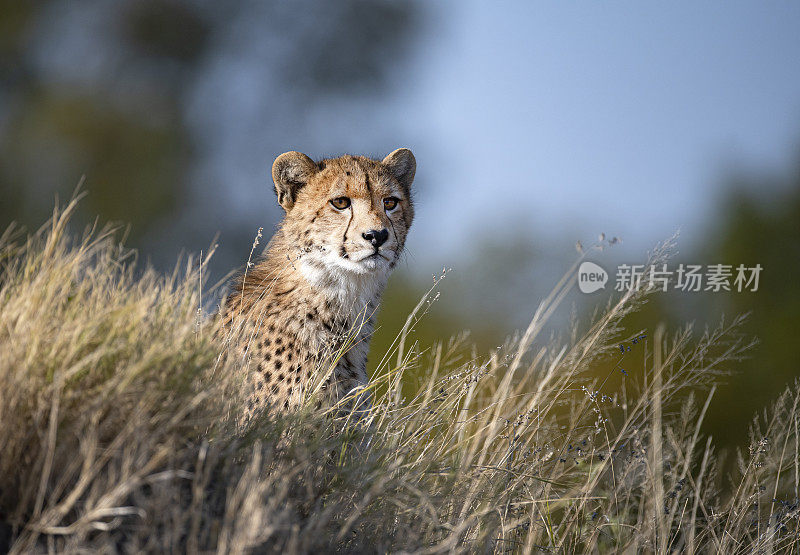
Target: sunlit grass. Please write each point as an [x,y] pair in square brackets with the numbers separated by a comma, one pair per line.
[118,431]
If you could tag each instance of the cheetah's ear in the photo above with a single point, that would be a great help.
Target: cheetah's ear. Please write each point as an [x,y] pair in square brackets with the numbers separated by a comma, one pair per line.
[402,164]
[290,172]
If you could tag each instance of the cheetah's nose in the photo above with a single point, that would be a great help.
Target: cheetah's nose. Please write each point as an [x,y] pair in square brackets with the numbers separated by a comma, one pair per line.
[376,237]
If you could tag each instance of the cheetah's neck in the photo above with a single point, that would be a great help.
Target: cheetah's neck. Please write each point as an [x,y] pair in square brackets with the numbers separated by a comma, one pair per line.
[356,296]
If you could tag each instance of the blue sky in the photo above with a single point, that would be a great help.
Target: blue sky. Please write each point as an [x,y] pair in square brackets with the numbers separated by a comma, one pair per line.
[548,122]
[563,120]
[535,123]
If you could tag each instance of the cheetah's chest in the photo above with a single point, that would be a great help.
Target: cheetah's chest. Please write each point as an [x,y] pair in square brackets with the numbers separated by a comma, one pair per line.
[297,350]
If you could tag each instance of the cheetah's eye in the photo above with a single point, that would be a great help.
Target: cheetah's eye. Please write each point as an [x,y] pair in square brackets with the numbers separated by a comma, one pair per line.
[340,203]
[390,203]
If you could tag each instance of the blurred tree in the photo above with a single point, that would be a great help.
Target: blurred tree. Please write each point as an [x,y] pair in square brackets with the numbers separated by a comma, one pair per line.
[749,228]
[167,30]
[132,148]
[106,90]
[132,166]
[758,228]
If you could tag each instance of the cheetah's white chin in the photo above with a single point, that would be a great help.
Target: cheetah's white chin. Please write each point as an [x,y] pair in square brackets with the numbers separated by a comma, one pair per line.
[369,262]
[374,263]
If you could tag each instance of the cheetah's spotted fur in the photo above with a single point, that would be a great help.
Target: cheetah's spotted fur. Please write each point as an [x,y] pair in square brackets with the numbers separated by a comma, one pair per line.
[309,305]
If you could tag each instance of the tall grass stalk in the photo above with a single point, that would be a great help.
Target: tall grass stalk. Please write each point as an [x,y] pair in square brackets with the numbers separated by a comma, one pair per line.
[118,431]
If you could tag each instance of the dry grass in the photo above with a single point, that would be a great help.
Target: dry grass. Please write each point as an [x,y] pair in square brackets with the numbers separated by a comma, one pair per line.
[117,433]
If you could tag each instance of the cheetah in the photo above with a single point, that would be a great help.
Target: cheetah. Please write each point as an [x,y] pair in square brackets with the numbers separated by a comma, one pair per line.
[304,313]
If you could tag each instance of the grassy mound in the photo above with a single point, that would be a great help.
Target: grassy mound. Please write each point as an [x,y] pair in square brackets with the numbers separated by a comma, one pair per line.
[118,412]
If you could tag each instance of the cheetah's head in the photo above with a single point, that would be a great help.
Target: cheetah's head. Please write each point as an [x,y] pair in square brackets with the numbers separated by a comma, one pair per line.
[349,214]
